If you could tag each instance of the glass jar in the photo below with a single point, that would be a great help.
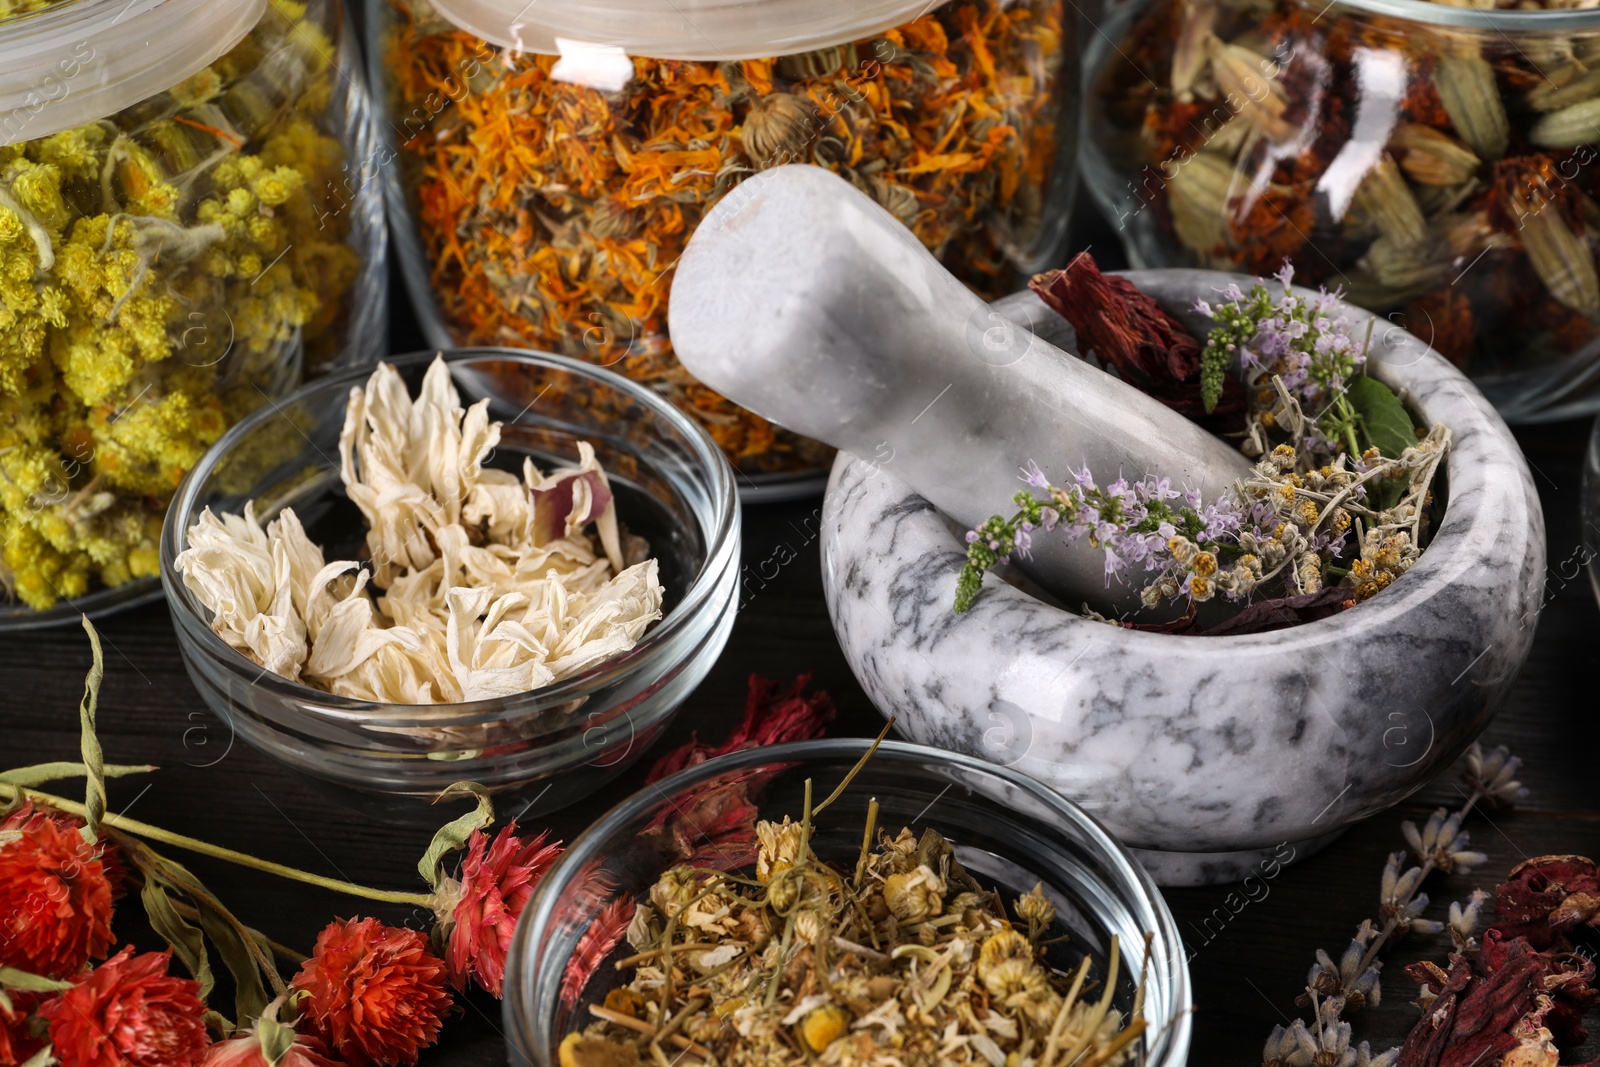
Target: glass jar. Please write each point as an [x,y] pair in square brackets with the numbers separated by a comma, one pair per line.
[186,228]
[1436,162]
[551,174]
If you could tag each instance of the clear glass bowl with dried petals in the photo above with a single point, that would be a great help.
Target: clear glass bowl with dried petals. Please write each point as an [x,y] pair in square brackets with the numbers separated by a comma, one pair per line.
[444,570]
[1434,160]
[801,903]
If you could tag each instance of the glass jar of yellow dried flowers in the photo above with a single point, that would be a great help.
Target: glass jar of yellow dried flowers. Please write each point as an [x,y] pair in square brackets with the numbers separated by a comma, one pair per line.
[1435,161]
[186,228]
[554,159]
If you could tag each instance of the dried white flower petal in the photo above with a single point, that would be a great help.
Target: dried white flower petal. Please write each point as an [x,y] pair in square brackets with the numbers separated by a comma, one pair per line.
[489,584]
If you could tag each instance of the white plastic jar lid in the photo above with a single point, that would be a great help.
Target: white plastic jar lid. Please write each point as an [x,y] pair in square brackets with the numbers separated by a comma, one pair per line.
[75,62]
[678,29]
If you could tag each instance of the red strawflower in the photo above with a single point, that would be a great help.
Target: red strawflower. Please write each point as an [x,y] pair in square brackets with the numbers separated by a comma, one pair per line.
[375,993]
[771,716]
[17,1041]
[30,815]
[55,899]
[599,938]
[250,1049]
[496,881]
[129,1012]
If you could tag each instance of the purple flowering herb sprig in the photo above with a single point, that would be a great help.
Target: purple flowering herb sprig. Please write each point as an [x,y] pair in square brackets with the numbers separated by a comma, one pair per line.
[1179,541]
[1303,341]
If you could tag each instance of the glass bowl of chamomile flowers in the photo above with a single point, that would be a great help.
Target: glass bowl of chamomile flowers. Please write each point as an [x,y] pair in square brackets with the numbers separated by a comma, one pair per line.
[454,567]
[828,901]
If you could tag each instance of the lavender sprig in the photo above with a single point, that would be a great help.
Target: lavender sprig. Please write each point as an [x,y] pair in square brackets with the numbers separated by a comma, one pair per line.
[1352,983]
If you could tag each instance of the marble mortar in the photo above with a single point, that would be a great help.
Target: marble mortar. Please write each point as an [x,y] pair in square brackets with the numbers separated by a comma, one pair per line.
[1211,756]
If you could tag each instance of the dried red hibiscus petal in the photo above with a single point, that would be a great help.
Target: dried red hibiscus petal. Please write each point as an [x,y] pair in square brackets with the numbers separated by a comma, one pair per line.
[771,716]
[1512,995]
[1548,898]
[1150,349]
[1264,615]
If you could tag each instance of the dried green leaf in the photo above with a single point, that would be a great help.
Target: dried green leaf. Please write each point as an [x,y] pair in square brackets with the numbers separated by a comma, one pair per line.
[249,994]
[276,1039]
[32,777]
[45,1057]
[187,941]
[12,978]
[93,759]
[1383,419]
[452,836]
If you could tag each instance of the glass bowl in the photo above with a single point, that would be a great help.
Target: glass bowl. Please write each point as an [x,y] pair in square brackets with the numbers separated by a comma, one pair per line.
[1008,831]
[672,487]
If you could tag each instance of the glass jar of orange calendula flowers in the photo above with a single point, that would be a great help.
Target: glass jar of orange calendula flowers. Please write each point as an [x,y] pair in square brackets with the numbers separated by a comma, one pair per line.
[184,232]
[1437,161]
[555,158]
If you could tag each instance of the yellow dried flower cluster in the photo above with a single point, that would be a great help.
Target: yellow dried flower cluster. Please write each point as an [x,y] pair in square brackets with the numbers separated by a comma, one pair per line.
[159,277]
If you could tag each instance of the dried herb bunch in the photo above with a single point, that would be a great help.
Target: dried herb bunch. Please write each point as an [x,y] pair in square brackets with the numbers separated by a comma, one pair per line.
[1467,212]
[1334,989]
[904,958]
[161,271]
[553,213]
[1339,503]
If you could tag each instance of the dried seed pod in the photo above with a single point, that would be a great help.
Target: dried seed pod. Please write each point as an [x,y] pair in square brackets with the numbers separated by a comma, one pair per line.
[1432,158]
[1565,86]
[777,129]
[1252,78]
[1198,198]
[1467,89]
[1384,199]
[1189,54]
[1405,267]
[1571,126]
[1561,258]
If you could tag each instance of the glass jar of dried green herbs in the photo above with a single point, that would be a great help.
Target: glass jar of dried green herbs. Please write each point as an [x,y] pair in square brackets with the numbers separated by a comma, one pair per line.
[186,228]
[1437,162]
[554,159]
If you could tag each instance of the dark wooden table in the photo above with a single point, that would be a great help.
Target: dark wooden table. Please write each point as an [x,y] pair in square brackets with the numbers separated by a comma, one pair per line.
[1247,966]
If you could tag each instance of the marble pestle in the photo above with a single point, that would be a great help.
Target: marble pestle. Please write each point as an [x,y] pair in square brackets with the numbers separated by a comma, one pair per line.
[803,300]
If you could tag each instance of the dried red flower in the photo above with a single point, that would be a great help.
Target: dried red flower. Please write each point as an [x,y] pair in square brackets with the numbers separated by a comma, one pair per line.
[1127,329]
[248,1050]
[55,898]
[17,1040]
[771,716]
[1477,1012]
[496,881]
[599,938]
[1548,898]
[30,815]
[129,1012]
[375,994]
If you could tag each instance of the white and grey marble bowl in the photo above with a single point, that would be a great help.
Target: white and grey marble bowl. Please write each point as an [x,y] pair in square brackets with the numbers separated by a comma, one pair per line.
[1210,756]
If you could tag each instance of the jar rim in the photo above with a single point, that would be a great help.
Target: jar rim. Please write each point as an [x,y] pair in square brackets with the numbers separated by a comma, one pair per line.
[1495,20]
[193,625]
[705,30]
[73,63]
